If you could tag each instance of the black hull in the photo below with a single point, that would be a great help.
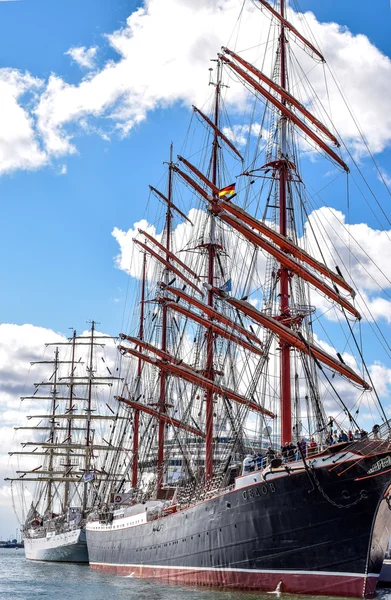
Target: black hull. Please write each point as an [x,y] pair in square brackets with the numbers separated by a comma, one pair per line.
[321,533]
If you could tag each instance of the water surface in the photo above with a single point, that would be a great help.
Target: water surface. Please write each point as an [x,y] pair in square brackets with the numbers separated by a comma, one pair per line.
[21,579]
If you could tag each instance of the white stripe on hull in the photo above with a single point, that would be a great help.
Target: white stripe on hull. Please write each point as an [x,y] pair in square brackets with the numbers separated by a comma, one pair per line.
[233,570]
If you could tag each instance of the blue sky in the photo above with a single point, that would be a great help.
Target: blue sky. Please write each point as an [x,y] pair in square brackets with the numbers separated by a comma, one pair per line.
[55,231]
[84,167]
[373,20]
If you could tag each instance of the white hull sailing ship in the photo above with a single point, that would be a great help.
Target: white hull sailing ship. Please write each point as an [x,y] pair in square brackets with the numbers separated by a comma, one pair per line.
[71,453]
[65,546]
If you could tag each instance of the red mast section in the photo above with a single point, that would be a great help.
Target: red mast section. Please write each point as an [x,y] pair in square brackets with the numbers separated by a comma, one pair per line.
[209,368]
[163,374]
[139,370]
[284,167]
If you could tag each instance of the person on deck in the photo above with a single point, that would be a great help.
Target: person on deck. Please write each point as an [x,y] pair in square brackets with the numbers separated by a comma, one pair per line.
[291,452]
[302,447]
[375,431]
[248,464]
[270,454]
[284,452]
[343,437]
[259,460]
[312,447]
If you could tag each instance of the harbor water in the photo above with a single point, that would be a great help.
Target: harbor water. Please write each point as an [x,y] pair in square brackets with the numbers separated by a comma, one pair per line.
[21,579]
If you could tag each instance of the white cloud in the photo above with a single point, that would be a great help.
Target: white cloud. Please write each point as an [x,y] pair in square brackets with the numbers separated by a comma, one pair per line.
[161,63]
[129,259]
[19,148]
[185,235]
[163,55]
[354,61]
[238,134]
[19,345]
[384,177]
[362,254]
[84,57]
[381,377]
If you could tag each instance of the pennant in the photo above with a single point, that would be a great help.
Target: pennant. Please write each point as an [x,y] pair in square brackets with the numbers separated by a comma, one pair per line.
[88,476]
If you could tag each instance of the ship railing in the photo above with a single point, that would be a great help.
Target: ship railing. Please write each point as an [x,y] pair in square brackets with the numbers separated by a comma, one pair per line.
[292,457]
[72,526]
[194,492]
[40,532]
[105,517]
[370,445]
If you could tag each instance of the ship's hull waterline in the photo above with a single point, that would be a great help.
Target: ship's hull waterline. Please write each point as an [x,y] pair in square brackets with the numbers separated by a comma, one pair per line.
[308,532]
[70,546]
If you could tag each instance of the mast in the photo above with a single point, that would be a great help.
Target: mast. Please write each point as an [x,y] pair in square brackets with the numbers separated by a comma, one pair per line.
[70,447]
[87,459]
[163,375]
[51,437]
[285,366]
[70,421]
[209,368]
[139,370]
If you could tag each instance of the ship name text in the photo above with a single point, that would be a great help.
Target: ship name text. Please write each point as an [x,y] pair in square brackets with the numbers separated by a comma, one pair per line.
[258,491]
[380,464]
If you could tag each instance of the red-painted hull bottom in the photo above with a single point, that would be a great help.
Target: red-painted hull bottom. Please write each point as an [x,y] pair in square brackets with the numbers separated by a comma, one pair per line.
[348,585]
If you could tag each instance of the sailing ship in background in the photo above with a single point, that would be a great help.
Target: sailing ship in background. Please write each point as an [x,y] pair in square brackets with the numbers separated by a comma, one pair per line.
[224,359]
[77,427]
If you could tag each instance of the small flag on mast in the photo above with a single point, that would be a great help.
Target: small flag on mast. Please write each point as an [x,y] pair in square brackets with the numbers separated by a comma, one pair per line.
[227,287]
[229,190]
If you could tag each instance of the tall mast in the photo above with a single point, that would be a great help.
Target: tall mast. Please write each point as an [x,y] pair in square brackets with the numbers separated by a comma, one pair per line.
[52,430]
[163,377]
[285,366]
[139,370]
[87,462]
[209,370]
[70,421]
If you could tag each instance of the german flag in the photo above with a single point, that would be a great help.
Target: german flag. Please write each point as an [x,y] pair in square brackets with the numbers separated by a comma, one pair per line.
[229,190]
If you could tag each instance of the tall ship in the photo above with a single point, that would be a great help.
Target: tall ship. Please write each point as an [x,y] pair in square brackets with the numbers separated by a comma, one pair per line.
[252,462]
[62,461]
